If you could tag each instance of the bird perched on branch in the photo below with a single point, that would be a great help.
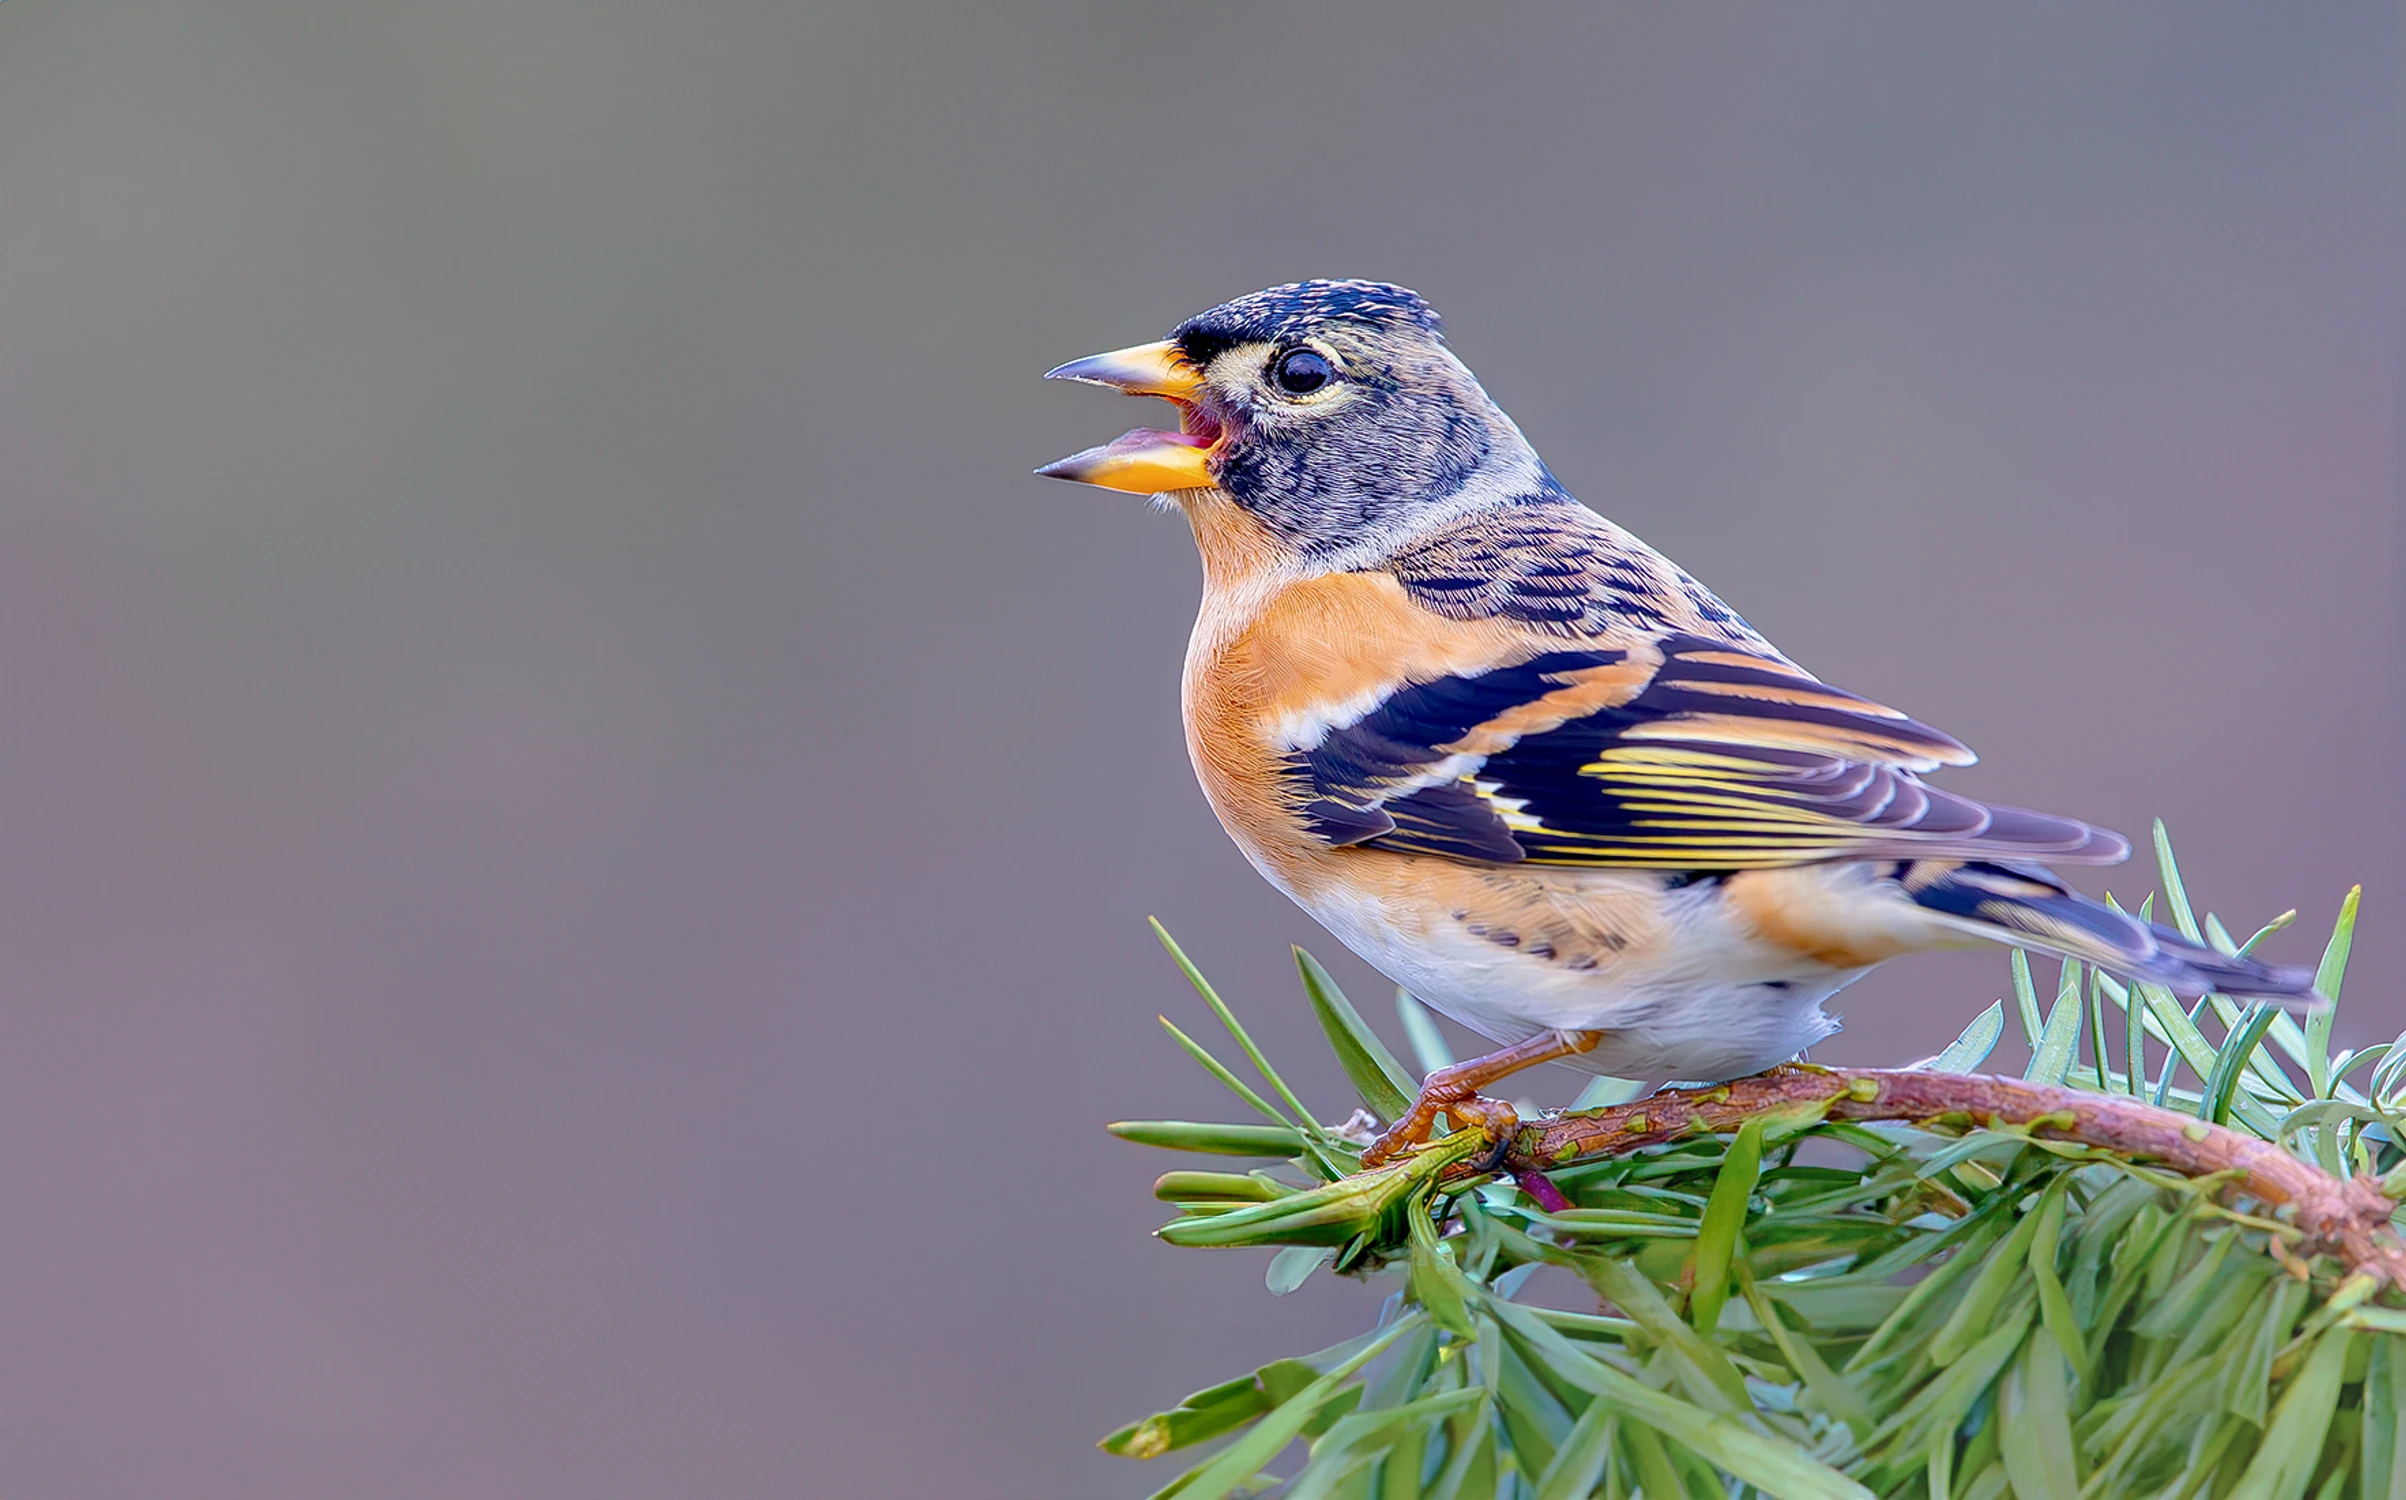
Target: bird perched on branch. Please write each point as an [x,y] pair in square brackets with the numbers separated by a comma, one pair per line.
[1519,760]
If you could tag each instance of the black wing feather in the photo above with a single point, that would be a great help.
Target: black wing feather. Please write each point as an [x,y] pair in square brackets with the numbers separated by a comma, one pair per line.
[1726,759]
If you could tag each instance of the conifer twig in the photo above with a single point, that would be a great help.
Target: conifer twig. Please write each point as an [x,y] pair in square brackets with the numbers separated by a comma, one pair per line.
[2349,1217]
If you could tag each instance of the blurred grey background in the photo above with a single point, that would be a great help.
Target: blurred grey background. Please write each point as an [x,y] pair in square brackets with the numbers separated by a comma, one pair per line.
[577,827]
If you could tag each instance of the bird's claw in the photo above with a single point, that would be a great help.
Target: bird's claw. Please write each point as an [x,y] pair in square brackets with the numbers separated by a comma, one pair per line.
[1466,1109]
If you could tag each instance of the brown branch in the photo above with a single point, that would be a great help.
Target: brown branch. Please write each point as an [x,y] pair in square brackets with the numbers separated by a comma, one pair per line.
[2348,1217]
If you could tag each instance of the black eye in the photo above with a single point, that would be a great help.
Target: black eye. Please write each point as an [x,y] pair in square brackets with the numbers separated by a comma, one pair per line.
[1301,372]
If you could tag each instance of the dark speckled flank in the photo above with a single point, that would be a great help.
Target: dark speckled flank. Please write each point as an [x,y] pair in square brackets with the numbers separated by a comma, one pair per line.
[1575,941]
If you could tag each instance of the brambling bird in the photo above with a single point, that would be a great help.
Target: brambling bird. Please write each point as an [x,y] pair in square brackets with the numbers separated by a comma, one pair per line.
[1521,762]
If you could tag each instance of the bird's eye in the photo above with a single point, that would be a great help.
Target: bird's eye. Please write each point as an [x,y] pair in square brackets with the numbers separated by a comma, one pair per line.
[1302,371]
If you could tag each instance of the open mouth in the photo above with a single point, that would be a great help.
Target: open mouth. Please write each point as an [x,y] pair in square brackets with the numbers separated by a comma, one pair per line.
[1192,433]
[1197,426]
[1146,460]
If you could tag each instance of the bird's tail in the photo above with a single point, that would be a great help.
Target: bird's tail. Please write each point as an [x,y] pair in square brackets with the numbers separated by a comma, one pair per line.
[2028,907]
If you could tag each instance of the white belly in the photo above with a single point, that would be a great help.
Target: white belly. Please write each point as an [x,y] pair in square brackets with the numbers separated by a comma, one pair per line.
[1713,1003]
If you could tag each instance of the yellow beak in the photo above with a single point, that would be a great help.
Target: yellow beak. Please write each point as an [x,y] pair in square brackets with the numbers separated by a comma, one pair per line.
[1146,370]
[1142,462]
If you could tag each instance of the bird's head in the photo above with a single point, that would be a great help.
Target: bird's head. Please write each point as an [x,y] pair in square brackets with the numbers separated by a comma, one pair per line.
[1330,412]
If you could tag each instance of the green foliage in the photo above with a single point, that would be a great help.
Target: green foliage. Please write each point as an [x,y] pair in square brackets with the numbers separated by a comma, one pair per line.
[1816,1309]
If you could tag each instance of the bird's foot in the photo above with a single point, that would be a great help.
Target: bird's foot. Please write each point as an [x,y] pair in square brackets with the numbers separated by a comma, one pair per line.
[1458,1100]
[1454,1093]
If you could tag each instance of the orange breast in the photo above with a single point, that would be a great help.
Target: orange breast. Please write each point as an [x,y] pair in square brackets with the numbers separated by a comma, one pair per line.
[1270,660]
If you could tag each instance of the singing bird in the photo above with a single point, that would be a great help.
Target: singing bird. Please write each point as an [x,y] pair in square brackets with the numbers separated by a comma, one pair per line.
[1521,762]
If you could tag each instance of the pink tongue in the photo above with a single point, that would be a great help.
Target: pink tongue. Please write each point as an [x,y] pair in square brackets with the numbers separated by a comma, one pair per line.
[1146,437]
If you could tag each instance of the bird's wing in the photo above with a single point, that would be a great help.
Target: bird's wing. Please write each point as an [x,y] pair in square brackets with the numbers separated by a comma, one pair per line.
[1669,750]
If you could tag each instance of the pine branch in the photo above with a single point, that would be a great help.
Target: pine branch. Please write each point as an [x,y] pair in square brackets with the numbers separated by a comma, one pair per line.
[2348,1217]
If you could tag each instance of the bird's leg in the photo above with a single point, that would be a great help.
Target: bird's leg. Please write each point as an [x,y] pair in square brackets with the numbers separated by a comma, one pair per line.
[1454,1092]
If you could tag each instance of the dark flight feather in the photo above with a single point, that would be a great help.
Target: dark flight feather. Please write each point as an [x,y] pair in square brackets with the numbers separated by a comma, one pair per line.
[1726,759]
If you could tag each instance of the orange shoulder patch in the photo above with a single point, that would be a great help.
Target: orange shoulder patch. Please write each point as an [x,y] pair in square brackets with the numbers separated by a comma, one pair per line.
[1326,650]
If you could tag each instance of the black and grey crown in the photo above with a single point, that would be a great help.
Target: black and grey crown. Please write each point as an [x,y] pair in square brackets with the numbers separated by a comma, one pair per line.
[1282,313]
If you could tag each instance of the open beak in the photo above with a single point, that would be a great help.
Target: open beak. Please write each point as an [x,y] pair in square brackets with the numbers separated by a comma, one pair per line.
[1144,461]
